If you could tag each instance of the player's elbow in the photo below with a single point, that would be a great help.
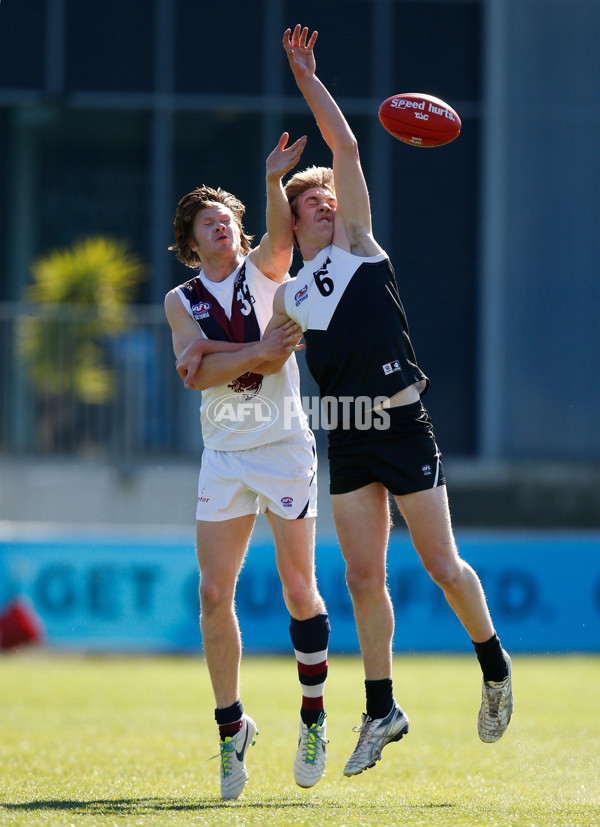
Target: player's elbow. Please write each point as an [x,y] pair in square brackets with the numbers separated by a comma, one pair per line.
[200,383]
[347,144]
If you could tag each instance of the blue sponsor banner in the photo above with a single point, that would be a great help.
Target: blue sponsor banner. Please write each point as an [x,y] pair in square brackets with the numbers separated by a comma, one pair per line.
[141,594]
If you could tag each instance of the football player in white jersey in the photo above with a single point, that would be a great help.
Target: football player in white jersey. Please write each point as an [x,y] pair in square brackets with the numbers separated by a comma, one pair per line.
[251,462]
[346,281]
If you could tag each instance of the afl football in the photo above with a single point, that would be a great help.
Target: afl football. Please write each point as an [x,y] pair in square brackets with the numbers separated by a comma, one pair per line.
[419,119]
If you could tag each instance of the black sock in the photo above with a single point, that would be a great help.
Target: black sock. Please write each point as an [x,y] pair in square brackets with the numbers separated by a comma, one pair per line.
[229,719]
[380,697]
[491,659]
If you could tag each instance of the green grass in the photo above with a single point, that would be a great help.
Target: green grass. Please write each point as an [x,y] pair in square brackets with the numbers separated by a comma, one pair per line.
[124,741]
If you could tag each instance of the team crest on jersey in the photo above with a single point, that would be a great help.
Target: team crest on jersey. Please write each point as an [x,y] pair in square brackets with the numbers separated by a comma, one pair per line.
[287,502]
[201,310]
[248,384]
[301,295]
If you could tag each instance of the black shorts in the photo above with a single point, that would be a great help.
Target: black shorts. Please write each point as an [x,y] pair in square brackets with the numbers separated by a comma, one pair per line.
[404,457]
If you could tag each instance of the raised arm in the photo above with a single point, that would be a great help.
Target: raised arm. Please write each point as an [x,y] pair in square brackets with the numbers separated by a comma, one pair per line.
[273,255]
[352,195]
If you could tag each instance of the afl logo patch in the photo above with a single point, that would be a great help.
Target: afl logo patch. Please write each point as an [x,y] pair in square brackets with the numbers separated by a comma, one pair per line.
[301,295]
[426,469]
[391,367]
[200,310]
[286,502]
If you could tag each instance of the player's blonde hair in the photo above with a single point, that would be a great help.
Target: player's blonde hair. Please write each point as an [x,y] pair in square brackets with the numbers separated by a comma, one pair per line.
[306,180]
[190,204]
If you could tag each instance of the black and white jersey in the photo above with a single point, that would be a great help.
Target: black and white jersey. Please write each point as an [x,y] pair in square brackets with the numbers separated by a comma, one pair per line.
[355,327]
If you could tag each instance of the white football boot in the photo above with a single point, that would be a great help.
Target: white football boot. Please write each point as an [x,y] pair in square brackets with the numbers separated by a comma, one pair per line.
[309,764]
[496,707]
[233,752]
[375,733]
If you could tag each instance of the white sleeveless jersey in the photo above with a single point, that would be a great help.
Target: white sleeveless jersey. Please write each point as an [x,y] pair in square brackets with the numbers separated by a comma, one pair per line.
[238,415]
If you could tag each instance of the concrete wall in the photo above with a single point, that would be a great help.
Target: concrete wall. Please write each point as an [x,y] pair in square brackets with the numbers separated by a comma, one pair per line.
[485,494]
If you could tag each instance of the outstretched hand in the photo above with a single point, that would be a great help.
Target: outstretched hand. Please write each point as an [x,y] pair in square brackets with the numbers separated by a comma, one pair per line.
[299,51]
[284,158]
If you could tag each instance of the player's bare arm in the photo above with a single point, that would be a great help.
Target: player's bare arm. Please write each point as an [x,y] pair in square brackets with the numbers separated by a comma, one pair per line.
[280,316]
[183,328]
[265,356]
[188,361]
[188,347]
[273,255]
[281,319]
[353,229]
[204,364]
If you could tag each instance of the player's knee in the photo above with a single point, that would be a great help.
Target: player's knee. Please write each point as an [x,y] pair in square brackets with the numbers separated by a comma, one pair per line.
[299,598]
[363,582]
[214,595]
[444,570]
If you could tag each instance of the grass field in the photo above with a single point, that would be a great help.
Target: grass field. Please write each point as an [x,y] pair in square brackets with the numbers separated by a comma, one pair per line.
[125,741]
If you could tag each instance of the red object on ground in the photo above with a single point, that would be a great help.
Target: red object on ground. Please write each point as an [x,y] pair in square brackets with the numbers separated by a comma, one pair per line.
[19,624]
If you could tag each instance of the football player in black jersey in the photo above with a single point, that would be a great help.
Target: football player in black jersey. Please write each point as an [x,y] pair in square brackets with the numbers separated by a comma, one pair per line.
[332,226]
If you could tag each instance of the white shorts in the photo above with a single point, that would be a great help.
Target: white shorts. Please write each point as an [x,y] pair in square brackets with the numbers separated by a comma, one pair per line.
[280,477]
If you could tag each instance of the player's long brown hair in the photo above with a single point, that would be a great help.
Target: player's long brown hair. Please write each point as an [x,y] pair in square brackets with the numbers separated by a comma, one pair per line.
[190,204]
[306,180]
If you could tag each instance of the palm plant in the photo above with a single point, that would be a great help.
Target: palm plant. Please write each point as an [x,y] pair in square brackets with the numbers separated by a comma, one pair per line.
[79,297]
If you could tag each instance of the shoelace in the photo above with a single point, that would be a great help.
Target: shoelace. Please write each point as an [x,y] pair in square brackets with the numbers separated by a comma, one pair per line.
[364,728]
[314,738]
[494,696]
[225,750]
